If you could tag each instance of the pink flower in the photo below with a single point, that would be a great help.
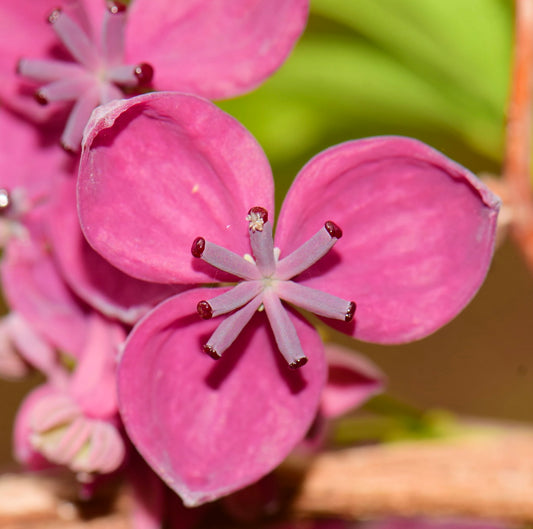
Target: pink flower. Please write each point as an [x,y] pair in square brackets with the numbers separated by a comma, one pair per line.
[72,420]
[92,51]
[164,171]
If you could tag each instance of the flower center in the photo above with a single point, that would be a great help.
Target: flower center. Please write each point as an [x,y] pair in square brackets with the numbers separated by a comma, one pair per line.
[97,75]
[266,282]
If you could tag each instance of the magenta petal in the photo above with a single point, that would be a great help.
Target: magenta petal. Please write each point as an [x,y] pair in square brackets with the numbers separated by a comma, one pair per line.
[22,430]
[161,169]
[100,284]
[33,288]
[212,48]
[418,234]
[352,379]
[211,427]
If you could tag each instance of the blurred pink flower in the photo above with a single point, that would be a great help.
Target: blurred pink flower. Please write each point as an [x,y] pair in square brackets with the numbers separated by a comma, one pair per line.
[92,51]
[72,420]
[163,170]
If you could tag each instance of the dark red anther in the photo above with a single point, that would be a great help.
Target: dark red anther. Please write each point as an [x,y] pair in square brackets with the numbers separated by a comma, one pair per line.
[211,352]
[298,363]
[204,310]
[116,7]
[144,73]
[54,15]
[333,229]
[350,312]
[39,97]
[198,247]
[260,212]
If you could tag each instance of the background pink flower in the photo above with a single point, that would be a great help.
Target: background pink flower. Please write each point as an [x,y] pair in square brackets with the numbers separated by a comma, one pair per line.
[92,52]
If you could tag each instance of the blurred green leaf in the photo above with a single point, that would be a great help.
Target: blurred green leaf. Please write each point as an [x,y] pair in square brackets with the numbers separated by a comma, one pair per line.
[434,70]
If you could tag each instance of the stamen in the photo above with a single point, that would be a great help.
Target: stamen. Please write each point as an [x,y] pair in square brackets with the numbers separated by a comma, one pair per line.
[224,259]
[316,301]
[144,73]
[131,76]
[113,28]
[309,252]
[79,116]
[54,16]
[198,247]
[204,310]
[66,89]
[238,296]
[350,312]
[46,71]
[227,332]
[116,7]
[74,39]
[284,331]
[261,240]
[333,229]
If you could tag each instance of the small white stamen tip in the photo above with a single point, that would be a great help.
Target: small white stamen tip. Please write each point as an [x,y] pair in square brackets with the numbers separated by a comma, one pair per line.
[4,198]
[256,221]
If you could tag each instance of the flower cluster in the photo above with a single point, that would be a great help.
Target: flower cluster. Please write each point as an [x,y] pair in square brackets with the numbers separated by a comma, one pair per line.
[149,281]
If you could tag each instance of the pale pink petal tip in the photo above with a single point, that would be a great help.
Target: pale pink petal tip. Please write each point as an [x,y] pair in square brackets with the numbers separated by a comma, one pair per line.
[352,380]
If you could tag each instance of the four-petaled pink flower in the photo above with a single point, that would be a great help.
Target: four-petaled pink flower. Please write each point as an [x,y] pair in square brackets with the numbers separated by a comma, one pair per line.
[164,170]
[93,51]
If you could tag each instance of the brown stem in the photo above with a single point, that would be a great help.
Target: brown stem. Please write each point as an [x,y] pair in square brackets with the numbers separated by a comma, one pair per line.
[517,162]
[485,476]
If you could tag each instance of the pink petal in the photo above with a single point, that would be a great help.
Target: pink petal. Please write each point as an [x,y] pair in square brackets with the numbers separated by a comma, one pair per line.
[161,169]
[93,385]
[30,346]
[34,289]
[213,48]
[211,427]
[29,158]
[22,431]
[352,379]
[418,234]
[100,284]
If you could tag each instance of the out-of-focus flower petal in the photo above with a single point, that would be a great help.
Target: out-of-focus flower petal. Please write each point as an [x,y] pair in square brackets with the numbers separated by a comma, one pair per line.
[34,289]
[210,428]
[215,49]
[97,282]
[352,379]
